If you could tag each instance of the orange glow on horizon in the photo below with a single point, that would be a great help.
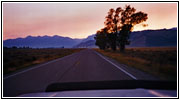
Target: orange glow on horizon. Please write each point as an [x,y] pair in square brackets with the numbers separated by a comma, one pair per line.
[76,20]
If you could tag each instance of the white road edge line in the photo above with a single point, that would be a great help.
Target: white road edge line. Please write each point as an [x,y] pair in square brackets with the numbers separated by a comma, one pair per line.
[116,66]
[38,66]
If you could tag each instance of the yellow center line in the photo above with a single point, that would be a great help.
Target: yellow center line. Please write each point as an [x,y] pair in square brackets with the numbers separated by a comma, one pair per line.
[77,63]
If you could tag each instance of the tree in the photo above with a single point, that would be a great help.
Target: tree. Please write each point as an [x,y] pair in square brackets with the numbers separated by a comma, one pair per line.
[101,38]
[109,25]
[119,24]
[129,18]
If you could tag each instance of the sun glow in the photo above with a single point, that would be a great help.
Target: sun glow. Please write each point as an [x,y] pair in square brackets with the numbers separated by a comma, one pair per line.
[76,20]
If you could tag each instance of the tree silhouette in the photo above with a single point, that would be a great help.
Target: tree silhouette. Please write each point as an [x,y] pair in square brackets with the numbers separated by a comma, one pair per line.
[119,24]
[111,24]
[129,18]
[101,38]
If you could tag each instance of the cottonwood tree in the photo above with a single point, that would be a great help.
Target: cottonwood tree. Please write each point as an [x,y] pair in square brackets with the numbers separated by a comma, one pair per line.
[119,24]
[129,18]
[109,25]
[101,38]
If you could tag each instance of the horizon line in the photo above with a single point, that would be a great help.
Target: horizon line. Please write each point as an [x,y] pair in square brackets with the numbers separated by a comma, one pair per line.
[81,38]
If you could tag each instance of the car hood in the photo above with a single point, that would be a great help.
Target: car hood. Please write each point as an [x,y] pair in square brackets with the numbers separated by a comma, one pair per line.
[107,93]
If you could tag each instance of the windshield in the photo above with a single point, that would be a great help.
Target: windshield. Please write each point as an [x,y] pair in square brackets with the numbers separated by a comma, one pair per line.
[53,47]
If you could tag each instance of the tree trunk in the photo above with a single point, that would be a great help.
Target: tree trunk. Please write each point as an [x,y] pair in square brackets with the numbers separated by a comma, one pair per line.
[122,47]
[113,45]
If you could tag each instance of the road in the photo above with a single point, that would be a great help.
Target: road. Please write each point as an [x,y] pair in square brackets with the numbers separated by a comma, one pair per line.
[86,65]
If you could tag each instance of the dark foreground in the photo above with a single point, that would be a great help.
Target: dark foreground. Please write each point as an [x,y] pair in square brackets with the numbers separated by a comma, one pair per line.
[84,66]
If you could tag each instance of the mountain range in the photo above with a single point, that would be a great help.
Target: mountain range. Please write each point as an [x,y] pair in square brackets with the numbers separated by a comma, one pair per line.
[146,38]
[154,38]
[42,42]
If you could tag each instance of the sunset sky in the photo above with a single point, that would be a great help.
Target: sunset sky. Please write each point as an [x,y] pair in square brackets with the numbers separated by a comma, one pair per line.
[76,20]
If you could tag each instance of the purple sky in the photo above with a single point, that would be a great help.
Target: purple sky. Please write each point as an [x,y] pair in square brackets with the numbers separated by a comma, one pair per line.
[76,20]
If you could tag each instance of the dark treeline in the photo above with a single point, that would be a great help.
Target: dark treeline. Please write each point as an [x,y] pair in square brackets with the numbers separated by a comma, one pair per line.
[119,24]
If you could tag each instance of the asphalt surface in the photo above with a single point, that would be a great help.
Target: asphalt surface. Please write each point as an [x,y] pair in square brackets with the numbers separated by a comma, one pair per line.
[84,66]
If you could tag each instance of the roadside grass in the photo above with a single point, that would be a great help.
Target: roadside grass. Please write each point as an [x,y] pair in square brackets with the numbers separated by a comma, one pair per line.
[158,61]
[16,59]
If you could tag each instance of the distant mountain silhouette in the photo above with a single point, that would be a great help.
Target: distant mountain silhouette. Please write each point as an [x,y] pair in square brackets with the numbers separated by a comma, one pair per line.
[146,38]
[42,42]
[86,44]
[90,37]
[154,38]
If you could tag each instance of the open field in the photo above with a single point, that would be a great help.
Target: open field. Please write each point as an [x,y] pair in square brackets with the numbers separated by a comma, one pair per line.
[158,61]
[15,59]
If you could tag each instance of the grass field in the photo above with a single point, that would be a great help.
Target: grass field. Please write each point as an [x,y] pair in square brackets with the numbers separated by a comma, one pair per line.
[15,59]
[158,61]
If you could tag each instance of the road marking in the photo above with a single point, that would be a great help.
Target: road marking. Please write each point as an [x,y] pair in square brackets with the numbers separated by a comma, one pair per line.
[77,63]
[116,66]
[38,66]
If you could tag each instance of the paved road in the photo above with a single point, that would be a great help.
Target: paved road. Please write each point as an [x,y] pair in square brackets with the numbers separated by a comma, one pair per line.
[86,65]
